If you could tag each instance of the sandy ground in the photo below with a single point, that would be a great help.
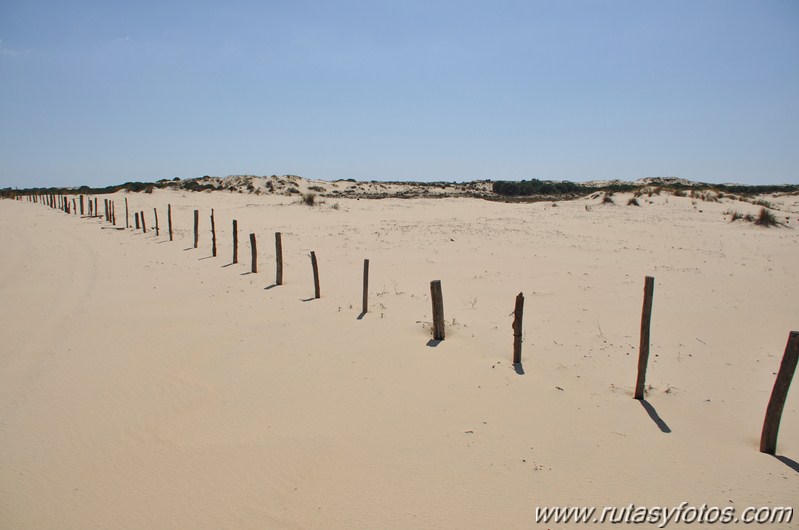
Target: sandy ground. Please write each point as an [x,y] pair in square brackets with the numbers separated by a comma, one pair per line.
[145,384]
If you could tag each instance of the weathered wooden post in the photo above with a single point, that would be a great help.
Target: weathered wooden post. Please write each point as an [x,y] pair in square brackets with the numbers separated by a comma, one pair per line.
[365,286]
[127,219]
[517,329]
[74,207]
[136,215]
[771,425]
[254,249]
[438,309]
[169,219]
[196,227]
[81,204]
[96,211]
[279,259]
[113,213]
[213,234]
[157,230]
[105,210]
[143,224]
[91,212]
[315,268]
[235,241]
[643,350]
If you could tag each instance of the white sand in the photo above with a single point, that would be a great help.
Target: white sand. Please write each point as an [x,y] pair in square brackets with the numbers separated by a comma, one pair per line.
[144,384]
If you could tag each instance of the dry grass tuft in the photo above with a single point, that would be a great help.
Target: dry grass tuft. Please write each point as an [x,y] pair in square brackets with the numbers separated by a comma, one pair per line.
[308,199]
[766,219]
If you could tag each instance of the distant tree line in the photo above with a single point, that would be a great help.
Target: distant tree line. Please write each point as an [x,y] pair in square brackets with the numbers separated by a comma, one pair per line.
[566,188]
[552,188]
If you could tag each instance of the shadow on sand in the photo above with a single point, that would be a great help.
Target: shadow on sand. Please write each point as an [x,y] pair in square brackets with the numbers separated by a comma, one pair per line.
[793,464]
[655,417]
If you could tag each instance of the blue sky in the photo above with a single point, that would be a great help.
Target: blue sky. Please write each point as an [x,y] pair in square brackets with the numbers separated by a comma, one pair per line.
[104,92]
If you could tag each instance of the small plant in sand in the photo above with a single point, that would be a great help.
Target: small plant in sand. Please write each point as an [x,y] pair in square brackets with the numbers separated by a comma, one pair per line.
[679,193]
[607,198]
[766,218]
[308,199]
[633,202]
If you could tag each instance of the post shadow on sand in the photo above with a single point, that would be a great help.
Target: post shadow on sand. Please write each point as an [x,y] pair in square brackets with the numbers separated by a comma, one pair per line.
[311,299]
[518,368]
[793,464]
[433,343]
[270,287]
[655,417]
[360,317]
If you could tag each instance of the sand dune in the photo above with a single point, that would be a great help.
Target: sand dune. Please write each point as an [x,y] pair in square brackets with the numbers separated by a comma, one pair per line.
[146,384]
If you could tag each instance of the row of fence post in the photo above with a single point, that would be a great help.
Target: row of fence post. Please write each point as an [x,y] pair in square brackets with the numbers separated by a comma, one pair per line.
[768,440]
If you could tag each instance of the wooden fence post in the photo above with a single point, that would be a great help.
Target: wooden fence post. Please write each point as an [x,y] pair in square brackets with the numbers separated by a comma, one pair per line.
[279,259]
[643,350]
[365,286]
[113,213]
[157,230]
[127,221]
[169,219]
[213,234]
[235,241]
[143,224]
[771,425]
[438,309]
[74,207]
[254,249]
[517,329]
[81,205]
[315,268]
[136,215]
[96,211]
[196,226]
